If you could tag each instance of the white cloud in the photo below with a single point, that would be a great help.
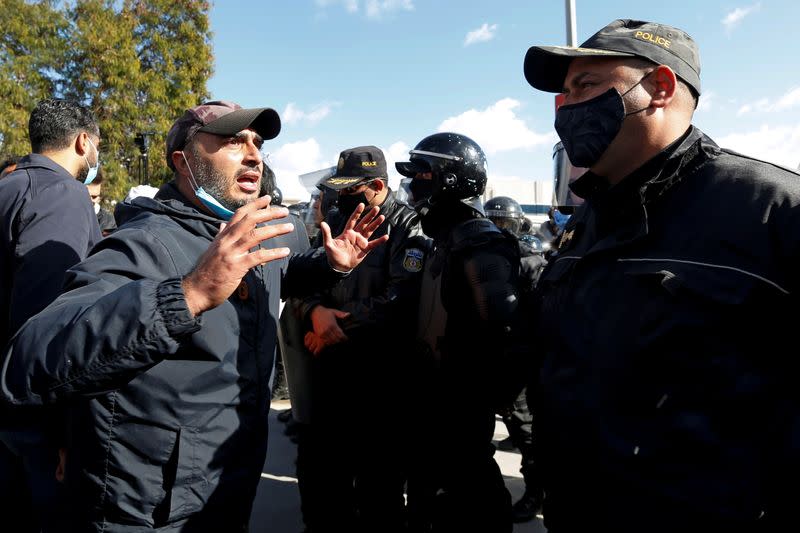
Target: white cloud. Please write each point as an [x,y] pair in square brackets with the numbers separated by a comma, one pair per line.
[374,9]
[735,17]
[497,128]
[787,101]
[398,151]
[293,159]
[378,8]
[350,5]
[293,114]
[776,144]
[706,102]
[481,35]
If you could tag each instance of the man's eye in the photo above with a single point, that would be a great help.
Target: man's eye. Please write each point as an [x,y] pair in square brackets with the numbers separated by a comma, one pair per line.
[258,143]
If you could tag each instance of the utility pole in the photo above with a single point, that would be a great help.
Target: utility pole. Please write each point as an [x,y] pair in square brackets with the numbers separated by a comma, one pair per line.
[572,25]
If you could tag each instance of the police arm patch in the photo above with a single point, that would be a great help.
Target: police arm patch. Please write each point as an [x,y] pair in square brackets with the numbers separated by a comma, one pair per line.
[412,262]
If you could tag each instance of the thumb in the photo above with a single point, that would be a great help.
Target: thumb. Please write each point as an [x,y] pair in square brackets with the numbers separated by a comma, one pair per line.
[326,233]
[341,314]
[222,227]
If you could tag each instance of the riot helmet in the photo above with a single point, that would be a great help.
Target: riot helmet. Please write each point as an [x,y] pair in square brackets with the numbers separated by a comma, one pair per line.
[506,213]
[457,166]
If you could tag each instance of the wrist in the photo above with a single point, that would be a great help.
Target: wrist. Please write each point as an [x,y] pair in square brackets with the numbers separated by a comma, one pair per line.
[196,301]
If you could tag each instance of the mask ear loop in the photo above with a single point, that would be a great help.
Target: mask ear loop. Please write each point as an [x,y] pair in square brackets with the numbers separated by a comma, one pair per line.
[191,174]
[632,88]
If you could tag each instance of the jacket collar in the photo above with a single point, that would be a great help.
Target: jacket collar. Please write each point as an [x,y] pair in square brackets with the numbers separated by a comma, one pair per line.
[42,161]
[656,176]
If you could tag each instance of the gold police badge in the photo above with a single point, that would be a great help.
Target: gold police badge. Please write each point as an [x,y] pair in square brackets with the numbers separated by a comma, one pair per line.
[413,260]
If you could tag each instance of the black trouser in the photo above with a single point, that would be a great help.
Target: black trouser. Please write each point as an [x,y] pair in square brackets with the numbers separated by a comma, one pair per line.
[350,461]
[29,493]
[471,492]
[519,422]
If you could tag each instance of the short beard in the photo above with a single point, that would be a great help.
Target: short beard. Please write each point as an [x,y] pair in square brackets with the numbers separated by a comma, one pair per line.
[214,182]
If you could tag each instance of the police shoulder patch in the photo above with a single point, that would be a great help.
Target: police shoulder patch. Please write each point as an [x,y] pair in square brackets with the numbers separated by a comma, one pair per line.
[413,260]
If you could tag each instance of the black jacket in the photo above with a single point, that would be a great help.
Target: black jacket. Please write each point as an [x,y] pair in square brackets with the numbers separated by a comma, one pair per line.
[382,293]
[668,387]
[47,225]
[169,411]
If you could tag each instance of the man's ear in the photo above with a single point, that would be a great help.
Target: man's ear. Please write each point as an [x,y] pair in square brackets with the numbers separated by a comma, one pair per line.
[666,83]
[179,162]
[378,185]
[81,144]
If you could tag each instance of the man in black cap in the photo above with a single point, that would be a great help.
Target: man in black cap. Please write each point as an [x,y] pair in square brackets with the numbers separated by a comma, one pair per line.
[164,341]
[359,331]
[662,403]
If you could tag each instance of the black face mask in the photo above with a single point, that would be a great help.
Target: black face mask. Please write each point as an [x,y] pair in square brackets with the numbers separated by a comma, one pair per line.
[588,128]
[421,189]
[348,202]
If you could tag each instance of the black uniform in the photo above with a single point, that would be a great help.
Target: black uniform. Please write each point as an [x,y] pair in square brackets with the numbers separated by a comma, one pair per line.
[367,373]
[469,300]
[668,395]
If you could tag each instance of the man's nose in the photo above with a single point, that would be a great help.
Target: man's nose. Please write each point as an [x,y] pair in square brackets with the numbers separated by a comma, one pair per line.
[252,153]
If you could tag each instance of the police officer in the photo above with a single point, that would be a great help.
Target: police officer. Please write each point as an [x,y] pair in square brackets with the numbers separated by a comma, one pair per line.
[667,399]
[358,331]
[507,214]
[469,298]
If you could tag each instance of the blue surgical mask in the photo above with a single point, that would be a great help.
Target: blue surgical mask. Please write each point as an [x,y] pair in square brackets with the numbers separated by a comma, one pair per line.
[560,219]
[206,199]
[92,174]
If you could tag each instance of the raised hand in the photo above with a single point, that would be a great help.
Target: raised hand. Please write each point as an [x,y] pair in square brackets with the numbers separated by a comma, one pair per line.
[346,251]
[221,268]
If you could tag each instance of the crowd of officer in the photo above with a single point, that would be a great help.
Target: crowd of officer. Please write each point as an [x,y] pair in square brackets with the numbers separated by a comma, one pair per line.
[135,377]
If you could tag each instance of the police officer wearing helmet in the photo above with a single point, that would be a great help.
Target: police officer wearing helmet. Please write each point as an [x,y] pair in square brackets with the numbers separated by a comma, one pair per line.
[358,331]
[457,298]
[662,406]
[507,214]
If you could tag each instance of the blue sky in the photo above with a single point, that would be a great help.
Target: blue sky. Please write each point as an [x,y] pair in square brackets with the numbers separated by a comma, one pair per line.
[344,73]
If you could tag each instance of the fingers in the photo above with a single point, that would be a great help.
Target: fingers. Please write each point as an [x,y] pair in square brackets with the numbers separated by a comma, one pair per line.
[351,222]
[341,314]
[374,243]
[259,203]
[265,255]
[257,235]
[368,217]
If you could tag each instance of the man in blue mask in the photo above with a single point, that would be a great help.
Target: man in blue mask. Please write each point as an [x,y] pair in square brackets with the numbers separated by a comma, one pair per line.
[47,225]
[660,405]
[163,343]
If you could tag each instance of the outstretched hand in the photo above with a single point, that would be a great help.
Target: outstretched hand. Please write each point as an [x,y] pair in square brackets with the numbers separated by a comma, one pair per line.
[347,250]
[221,268]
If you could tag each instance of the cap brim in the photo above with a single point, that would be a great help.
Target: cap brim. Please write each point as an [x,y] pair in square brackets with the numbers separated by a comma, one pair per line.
[338,183]
[546,66]
[410,169]
[263,120]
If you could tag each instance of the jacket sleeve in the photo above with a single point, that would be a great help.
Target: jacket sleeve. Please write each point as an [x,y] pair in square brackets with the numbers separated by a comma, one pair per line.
[55,230]
[123,312]
[396,303]
[308,272]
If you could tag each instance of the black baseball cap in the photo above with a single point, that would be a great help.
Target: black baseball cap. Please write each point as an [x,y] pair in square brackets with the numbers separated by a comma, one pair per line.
[546,66]
[221,118]
[357,165]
